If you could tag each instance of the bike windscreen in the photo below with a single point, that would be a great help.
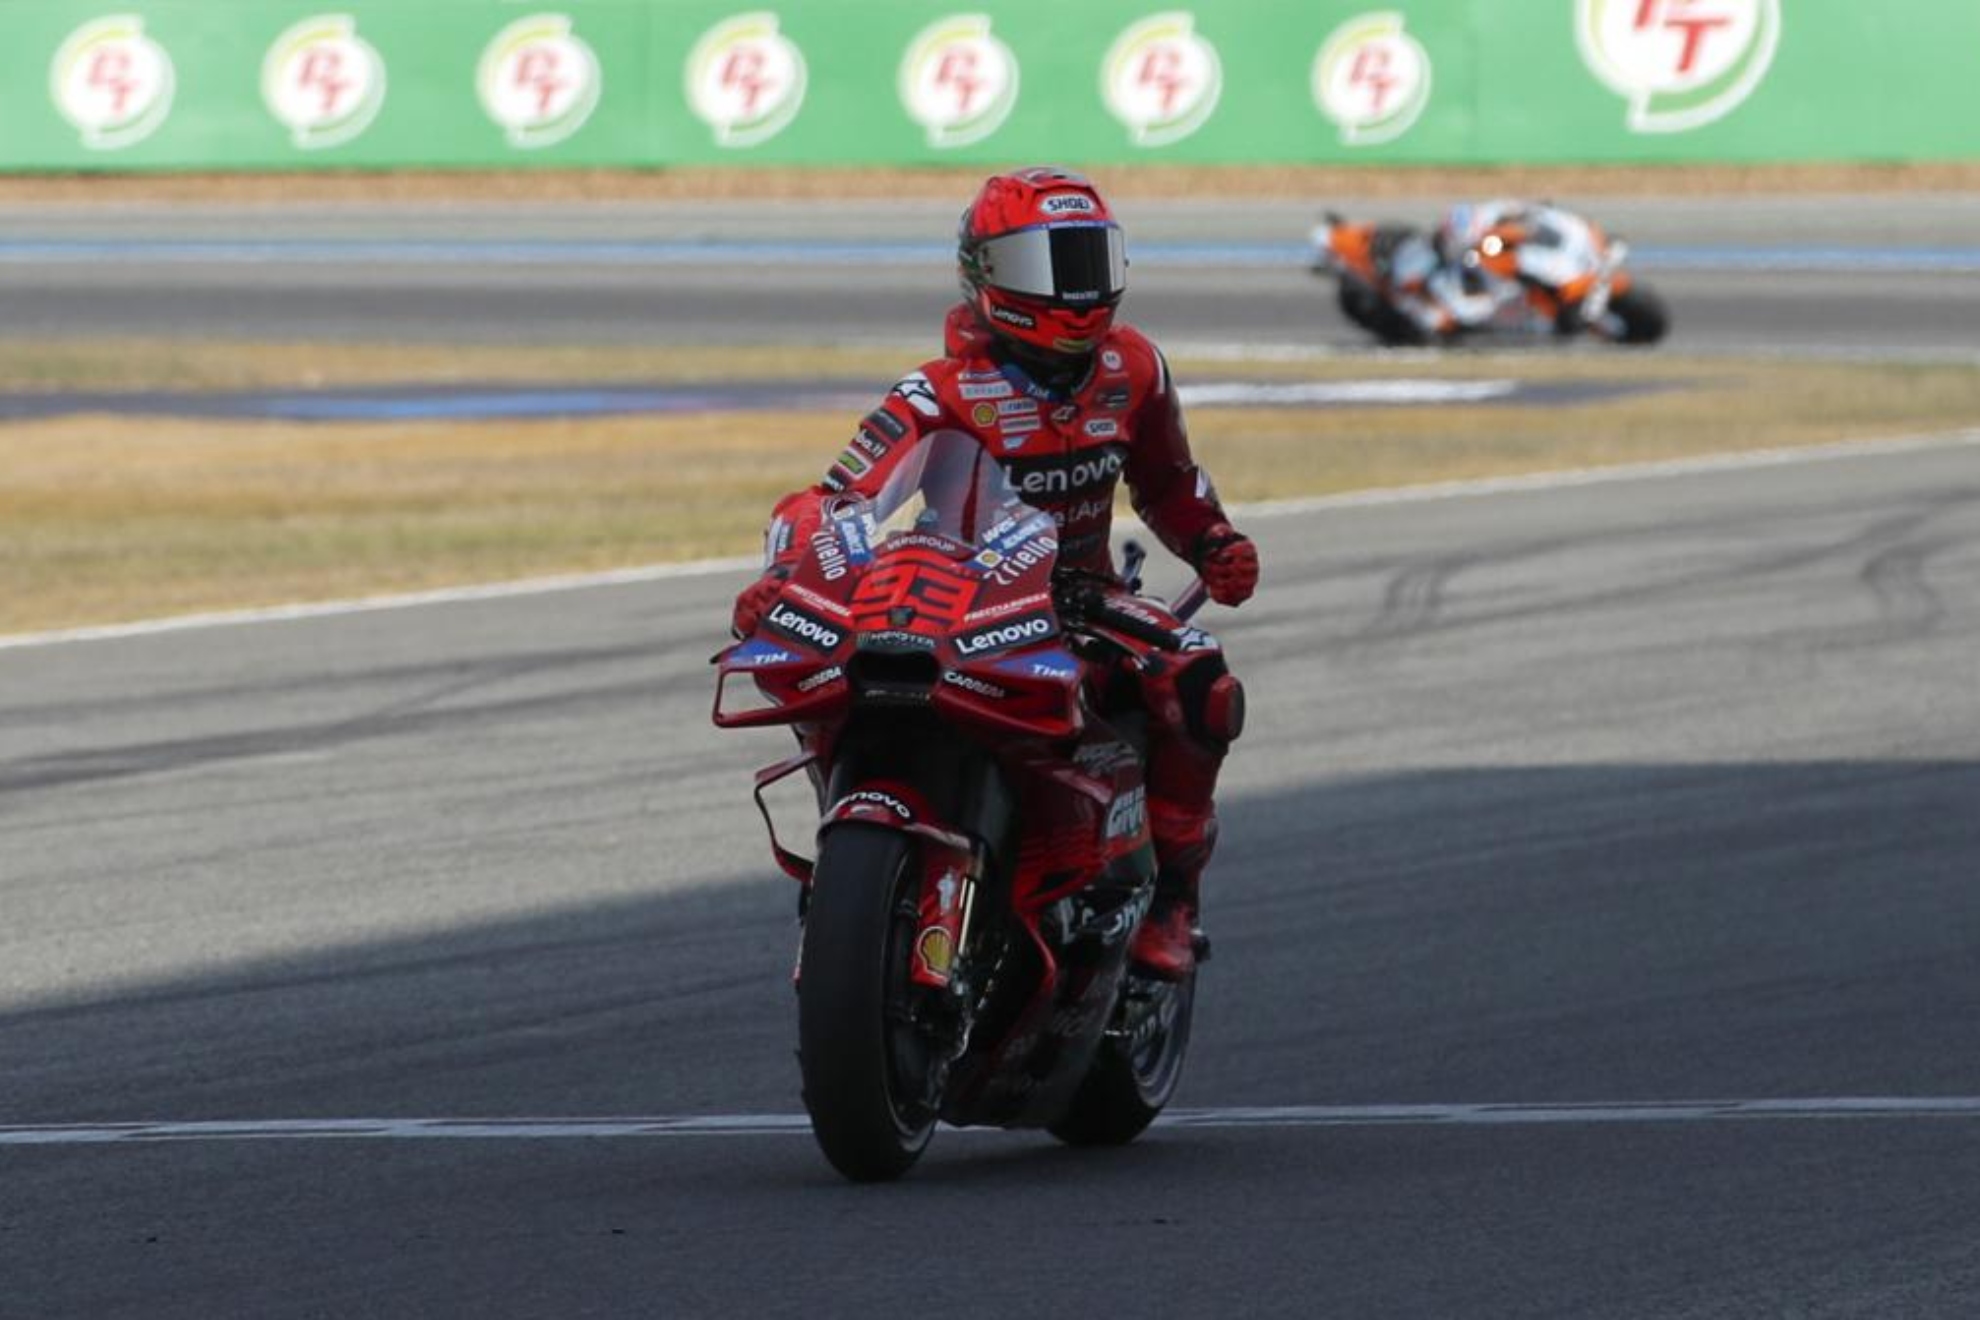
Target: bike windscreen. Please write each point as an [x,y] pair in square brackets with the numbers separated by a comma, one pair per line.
[951,487]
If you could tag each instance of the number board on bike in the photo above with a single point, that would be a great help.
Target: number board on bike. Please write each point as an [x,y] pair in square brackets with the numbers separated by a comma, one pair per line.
[915,589]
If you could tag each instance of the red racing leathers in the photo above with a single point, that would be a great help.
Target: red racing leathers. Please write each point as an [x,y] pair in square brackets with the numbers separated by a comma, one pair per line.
[1065,452]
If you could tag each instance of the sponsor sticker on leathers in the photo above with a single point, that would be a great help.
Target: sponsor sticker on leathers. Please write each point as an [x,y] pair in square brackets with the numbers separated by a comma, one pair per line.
[919,394]
[887,424]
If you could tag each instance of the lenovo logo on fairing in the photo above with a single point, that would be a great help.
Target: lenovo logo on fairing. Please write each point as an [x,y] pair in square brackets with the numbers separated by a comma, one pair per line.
[1035,628]
[790,621]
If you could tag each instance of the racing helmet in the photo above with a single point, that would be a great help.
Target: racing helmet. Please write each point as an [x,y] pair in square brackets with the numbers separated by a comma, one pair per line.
[1042,262]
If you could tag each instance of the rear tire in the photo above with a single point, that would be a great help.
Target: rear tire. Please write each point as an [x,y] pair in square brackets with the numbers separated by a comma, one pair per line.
[1640,316]
[1128,1084]
[866,1065]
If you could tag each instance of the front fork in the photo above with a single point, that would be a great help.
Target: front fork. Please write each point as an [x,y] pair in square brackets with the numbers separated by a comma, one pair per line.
[948,897]
[951,863]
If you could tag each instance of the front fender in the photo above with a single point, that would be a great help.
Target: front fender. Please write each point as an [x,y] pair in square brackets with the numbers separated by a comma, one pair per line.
[895,806]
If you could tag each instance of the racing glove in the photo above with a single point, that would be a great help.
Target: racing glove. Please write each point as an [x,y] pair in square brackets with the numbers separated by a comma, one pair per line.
[755,601]
[1228,563]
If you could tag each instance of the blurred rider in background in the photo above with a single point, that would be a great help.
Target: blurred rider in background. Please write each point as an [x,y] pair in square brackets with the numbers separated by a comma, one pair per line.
[1037,371]
[1460,275]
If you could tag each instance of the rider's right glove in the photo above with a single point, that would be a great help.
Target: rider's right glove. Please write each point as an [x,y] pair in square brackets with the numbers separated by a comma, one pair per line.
[1228,563]
[755,601]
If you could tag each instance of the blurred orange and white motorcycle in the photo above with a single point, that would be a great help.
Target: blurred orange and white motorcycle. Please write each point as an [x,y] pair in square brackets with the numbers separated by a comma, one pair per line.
[1496,269]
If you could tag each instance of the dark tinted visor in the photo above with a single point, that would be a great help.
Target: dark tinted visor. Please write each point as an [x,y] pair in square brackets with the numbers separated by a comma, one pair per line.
[1083,265]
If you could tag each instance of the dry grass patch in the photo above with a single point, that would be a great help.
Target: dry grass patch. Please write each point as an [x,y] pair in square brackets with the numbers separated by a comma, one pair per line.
[104,519]
[45,366]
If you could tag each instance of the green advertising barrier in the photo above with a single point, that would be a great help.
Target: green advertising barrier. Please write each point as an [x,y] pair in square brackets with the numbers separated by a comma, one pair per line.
[260,84]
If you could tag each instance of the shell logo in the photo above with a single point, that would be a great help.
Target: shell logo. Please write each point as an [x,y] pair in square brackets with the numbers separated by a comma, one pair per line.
[538,81]
[1682,64]
[745,79]
[1161,79]
[958,81]
[112,82]
[1372,79]
[323,82]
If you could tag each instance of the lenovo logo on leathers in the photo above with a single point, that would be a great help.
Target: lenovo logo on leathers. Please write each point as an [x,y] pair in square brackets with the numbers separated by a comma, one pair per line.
[1066,476]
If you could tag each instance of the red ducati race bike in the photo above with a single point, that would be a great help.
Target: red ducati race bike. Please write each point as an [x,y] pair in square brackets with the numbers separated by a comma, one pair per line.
[983,855]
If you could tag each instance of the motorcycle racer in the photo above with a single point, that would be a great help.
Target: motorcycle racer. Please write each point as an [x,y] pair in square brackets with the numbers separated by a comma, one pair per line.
[1036,370]
[1487,250]
[1458,277]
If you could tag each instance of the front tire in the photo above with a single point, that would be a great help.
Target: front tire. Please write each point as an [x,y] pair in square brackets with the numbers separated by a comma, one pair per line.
[1369,310]
[1638,316]
[867,1066]
[1136,1071]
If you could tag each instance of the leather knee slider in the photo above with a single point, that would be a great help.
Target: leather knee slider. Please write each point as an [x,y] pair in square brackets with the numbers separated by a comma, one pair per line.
[1223,709]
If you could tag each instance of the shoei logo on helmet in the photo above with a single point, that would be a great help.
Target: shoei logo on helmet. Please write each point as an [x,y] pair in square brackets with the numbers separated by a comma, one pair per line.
[1010,317]
[323,81]
[1682,64]
[1161,79]
[1060,204]
[745,80]
[1371,78]
[112,82]
[958,81]
[538,80]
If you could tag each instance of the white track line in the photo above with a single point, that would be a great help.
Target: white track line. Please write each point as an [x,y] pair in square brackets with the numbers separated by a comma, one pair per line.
[365,604]
[1831,1109]
[1446,490]
[1565,478]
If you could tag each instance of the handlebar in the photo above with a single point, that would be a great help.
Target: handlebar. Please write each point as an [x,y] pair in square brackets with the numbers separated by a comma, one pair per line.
[1082,598]
[1114,619]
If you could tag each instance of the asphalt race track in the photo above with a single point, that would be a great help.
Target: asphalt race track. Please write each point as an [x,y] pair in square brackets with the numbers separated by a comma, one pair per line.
[1597,936]
[1824,275]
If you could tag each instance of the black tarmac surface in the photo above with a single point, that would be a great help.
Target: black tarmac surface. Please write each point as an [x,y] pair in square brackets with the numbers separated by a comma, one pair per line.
[1657,790]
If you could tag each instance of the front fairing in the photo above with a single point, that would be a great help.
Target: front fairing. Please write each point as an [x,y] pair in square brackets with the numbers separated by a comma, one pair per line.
[937,594]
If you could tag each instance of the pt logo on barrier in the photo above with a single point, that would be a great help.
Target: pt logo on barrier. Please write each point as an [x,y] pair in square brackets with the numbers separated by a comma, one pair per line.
[539,81]
[112,82]
[1161,79]
[1372,79]
[1681,63]
[958,81]
[745,79]
[323,82]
